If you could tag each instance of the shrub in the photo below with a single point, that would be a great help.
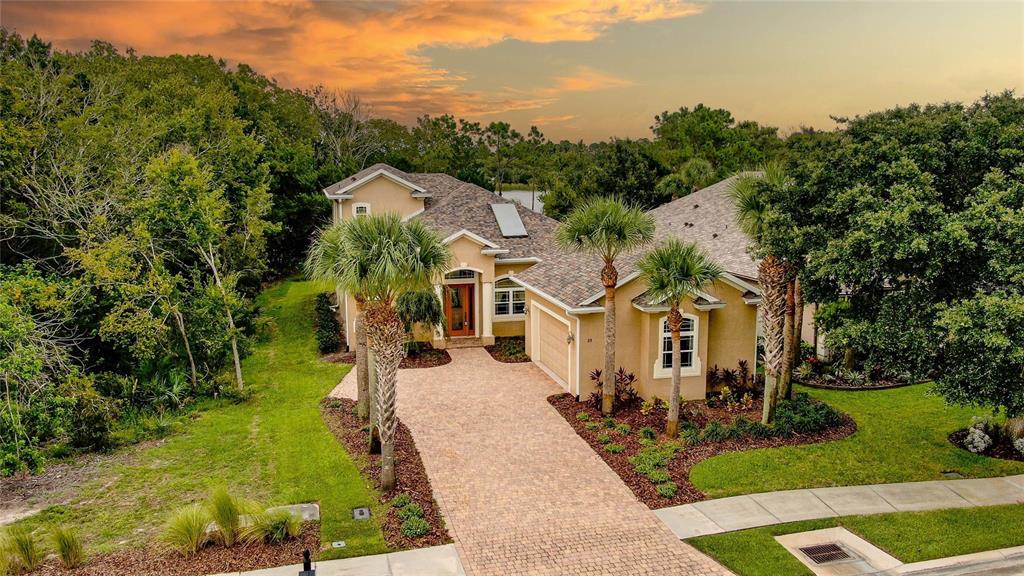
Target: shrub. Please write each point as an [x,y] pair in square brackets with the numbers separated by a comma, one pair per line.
[1014,429]
[659,475]
[68,546]
[93,416]
[402,500]
[22,549]
[411,511]
[582,416]
[623,429]
[759,430]
[276,526]
[977,440]
[740,427]
[511,348]
[1019,445]
[608,422]
[604,438]
[615,448]
[801,415]
[23,458]
[226,512]
[593,425]
[626,395]
[714,432]
[690,436]
[667,489]
[648,433]
[415,527]
[651,458]
[186,531]
[328,330]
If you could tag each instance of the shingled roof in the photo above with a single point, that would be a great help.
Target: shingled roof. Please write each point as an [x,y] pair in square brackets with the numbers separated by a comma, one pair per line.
[454,205]
[706,217]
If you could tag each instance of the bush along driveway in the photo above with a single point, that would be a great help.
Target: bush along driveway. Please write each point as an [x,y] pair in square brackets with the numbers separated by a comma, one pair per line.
[902,436]
[274,447]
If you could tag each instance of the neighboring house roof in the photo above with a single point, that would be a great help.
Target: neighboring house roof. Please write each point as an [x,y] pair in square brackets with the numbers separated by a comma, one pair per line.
[451,206]
[706,217]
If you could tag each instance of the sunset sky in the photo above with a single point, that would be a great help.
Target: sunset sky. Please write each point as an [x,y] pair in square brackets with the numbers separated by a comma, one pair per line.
[589,70]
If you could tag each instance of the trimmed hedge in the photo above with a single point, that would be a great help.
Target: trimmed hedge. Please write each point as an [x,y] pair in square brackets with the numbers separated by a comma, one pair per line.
[328,331]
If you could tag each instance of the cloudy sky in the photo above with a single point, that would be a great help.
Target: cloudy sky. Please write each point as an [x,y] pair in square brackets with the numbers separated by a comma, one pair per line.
[580,69]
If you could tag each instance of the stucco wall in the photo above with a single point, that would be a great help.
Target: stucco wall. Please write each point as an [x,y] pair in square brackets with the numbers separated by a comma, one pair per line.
[383,196]
[691,387]
[731,330]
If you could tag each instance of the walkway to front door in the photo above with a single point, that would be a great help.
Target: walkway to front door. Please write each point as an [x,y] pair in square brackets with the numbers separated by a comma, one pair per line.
[521,493]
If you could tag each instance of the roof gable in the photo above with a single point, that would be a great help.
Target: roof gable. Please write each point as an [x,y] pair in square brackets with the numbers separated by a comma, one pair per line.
[343,189]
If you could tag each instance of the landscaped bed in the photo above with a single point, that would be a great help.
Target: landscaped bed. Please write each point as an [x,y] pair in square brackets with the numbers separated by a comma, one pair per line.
[424,356]
[991,439]
[412,496]
[159,561]
[632,443]
[508,349]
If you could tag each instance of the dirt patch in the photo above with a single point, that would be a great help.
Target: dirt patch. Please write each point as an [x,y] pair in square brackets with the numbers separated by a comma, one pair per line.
[508,349]
[1001,447]
[427,357]
[155,561]
[340,416]
[678,466]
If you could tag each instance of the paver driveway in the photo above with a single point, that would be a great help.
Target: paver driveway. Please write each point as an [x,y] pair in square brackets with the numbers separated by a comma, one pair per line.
[520,491]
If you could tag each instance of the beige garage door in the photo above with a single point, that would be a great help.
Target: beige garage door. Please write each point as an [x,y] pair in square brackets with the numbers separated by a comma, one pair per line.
[554,346]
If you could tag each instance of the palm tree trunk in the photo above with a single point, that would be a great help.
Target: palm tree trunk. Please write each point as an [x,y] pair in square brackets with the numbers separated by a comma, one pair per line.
[371,398]
[362,367]
[788,329]
[675,321]
[798,324]
[386,336]
[772,278]
[609,277]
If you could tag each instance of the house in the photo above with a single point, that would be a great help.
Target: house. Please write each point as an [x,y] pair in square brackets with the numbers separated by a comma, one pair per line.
[509,278]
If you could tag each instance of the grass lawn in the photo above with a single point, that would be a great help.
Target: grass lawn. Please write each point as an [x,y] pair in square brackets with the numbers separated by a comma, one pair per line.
[901,437]
[274,448]
[909,536]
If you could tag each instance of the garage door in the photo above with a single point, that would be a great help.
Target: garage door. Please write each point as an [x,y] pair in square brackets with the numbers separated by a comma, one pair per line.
[553,344]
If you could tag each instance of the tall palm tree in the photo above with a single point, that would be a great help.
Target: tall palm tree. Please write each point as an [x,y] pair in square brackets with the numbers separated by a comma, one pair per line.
[675,271]
[773,276]
[381,258]
[606,227]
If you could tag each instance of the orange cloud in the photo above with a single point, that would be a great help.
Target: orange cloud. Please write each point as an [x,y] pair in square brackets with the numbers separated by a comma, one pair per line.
[373,49]
[543,120]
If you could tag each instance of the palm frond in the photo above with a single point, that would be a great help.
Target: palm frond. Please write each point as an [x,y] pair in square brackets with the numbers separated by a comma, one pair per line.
[751,208]
[675,270]
[606,227]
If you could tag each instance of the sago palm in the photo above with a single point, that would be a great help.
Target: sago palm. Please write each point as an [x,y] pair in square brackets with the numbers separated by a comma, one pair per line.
[381,258]
[773,277]
[606,227]
[675,271]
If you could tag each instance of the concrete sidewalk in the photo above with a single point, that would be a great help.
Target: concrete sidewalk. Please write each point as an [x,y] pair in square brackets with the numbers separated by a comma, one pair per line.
[434,561]
[750,511]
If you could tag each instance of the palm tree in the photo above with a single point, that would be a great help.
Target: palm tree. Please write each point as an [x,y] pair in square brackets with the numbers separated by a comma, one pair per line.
[773,276]
[606,227]
[675,271]
[380,257]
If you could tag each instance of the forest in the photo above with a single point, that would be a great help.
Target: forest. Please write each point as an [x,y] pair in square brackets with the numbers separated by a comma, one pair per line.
[145,201]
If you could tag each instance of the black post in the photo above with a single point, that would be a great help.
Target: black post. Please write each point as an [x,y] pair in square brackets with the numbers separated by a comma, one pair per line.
[307,565]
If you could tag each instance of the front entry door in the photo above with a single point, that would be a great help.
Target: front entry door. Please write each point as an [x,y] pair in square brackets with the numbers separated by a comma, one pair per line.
[458,308]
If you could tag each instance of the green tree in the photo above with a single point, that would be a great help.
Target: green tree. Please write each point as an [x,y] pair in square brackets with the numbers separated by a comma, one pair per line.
[382,258]
[675,271]
[607,228]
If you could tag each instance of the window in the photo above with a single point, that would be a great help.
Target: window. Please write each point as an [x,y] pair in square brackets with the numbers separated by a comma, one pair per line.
[360,209]
[687,343]
[509,298]
[460,275]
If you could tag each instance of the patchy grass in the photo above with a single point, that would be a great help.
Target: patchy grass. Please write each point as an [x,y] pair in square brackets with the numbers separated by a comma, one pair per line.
[909,536]
[274,448]
[902,436]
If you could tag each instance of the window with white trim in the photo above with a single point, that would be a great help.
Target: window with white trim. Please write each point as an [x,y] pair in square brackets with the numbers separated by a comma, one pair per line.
[509,298]
[360,209]
[687,343]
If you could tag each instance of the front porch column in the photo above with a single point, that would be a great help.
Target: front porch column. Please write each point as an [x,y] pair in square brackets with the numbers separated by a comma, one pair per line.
[439,329]
[488,300]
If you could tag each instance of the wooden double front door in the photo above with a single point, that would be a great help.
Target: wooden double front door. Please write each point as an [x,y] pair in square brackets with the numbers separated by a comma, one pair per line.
[458,309]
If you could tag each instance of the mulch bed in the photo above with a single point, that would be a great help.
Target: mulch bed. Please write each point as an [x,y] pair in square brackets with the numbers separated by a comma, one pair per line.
[340,416]
[429,357]
[213,559]
[1001,448]
[505,351]
[679,466]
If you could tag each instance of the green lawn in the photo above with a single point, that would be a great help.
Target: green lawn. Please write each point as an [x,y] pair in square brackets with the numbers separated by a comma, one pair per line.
[901,437]
[909,536]
[274,448]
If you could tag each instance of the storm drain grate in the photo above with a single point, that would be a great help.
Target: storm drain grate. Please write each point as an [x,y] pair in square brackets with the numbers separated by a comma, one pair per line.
[825,553]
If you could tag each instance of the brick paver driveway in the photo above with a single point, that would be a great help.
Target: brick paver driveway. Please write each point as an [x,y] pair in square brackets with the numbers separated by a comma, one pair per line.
[521,493]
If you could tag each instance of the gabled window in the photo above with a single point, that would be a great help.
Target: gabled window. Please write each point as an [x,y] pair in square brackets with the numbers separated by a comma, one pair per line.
[360,209]
[687,343]
[509,298]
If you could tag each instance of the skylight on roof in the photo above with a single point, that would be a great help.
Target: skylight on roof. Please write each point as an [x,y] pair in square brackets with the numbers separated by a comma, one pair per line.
[508,219]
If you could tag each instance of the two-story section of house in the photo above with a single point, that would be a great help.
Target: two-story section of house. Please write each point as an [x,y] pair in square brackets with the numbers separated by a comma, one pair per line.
[491,238]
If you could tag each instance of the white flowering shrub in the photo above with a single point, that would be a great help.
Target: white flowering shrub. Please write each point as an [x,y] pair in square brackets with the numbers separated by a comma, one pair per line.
[977,441]
[983,423]
[1019,445]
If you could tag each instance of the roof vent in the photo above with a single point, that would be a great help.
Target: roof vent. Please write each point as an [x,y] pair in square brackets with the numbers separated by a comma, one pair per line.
[508,219]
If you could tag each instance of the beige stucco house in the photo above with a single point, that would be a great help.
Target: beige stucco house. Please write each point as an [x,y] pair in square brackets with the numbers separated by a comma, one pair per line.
[508,278]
